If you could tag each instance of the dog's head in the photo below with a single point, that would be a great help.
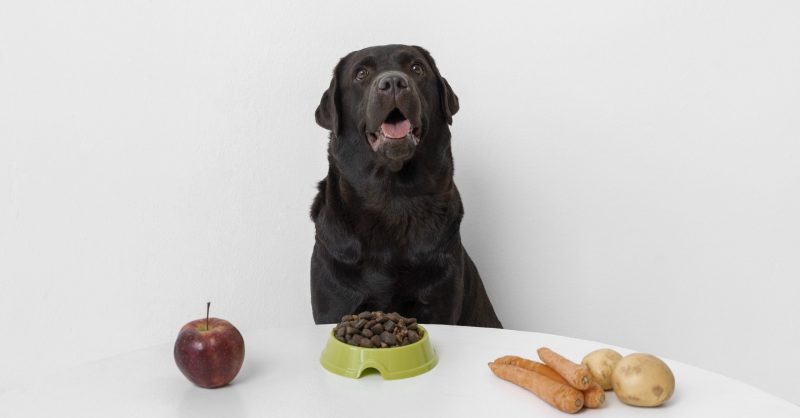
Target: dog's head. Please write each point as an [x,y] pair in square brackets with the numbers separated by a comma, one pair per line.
[387,100]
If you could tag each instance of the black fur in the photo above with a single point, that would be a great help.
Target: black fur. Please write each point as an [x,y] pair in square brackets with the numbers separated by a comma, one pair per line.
[388,213]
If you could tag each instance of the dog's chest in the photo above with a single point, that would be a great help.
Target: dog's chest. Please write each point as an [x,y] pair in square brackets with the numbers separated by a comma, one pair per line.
[400,281]
[404,231]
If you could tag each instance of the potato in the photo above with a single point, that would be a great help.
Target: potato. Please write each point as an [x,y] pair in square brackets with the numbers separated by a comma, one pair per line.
[601,364]
[642,380]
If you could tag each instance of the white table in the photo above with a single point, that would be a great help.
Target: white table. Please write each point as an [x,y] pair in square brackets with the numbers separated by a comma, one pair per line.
[282,377]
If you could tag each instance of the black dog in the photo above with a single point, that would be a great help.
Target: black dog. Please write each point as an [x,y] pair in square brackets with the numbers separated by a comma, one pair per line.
[388,213]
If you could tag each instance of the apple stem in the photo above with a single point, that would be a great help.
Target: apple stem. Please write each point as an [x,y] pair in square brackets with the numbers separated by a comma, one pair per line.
[208,308]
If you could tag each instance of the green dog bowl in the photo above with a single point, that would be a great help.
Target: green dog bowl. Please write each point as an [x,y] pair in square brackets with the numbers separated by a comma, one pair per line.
[392,363]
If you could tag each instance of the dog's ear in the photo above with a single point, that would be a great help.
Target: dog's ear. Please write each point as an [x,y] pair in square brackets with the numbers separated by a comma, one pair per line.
[447,97]
[327,113]
[450,100]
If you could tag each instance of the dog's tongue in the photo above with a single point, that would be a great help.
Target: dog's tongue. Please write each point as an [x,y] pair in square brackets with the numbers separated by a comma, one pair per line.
[396,130]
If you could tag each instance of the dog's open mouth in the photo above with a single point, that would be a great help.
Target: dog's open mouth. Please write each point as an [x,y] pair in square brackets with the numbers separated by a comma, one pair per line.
[395,127]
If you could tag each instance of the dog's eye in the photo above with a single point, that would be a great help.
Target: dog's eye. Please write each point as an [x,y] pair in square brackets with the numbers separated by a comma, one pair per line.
[361,74]
[418,69]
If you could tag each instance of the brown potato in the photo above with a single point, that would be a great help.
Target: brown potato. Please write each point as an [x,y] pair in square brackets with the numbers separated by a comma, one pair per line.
[642,380]
[601,364]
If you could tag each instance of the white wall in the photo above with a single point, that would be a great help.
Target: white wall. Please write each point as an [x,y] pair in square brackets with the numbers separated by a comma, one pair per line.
[629,169]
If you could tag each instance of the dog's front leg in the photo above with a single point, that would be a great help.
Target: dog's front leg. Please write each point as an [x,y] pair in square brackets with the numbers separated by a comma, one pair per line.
[330,297]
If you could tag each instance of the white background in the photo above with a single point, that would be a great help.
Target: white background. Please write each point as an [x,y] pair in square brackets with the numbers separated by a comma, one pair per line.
[629,169]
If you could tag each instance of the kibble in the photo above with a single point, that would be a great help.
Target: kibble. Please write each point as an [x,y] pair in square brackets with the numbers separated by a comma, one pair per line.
[388,338]
[389,325]
[376,340]
[377,330]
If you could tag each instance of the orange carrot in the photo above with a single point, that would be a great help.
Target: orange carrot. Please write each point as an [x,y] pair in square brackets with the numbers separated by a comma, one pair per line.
[531,365]
[594,397]
[559,395]
[577,375]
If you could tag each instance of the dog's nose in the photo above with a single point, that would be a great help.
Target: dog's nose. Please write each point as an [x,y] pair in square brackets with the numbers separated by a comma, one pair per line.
[392,83]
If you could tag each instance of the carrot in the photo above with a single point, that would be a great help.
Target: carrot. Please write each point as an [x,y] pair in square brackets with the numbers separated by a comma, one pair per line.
[559,395]
[577,375]
[531,365]
[594,397]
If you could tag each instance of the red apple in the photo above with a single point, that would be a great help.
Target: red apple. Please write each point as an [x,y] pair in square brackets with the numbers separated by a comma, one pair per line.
[209,351]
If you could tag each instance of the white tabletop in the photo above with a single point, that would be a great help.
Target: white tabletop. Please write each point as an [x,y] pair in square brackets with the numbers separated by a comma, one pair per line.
[282,377]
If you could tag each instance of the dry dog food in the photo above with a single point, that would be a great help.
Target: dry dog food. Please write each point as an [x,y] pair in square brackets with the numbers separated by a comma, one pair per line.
[377,330]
